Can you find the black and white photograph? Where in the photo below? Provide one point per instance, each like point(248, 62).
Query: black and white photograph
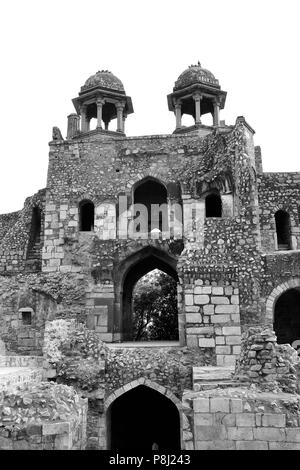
point(149, 229)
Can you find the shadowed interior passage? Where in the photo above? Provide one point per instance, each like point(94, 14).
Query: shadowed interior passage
point(143, 417)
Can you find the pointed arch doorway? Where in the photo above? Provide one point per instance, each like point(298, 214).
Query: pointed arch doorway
point(142, 418)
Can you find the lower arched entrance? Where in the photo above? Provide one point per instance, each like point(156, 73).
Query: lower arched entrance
point(287, 317)
point(144, 419)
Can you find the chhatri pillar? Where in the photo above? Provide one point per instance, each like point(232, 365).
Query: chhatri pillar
point(178, 114)
point(197, 99)
point(100, 102)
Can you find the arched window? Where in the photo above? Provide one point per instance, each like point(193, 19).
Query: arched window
point(149, 300)
point(283, 230)
point(153, 196)
point(213, 205)
point(86, 216)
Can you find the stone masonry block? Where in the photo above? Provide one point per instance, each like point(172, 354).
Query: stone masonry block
point(228, 290)
point(209, 309)
point(193, 318)
point(233, 340)
point(206, 330)
point(219, 404)
point(231, 330)
point(229, 360)
point(293, 434)
point(193, 330)
point(220, 301)
point(251, 445)
point(235, 299)
point(220, 360)
point(192, 341)
point(192, 309)
point(217, 291)
point(227, 420)
point(227, 309)
point(236, 405)
point(206, 343)
point(269, 434)
point(189, 299)
point(201, 299)
point(203, 419)
point(55, 428)
point(284, 446)
point(220, 340)
point(235, 317)
point(220, 318)
point(275, 420)
point(240, 434)
point(201, 405)
point(210, 433)
point(215, 445)
point(223, 349)
point(202, 290)
point(245, 419)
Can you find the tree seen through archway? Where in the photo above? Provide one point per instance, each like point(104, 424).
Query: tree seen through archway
point(155, 314)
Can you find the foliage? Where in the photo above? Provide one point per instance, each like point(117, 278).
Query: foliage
point(155, 308)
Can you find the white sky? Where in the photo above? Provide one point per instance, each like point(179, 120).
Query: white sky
point(49, 48)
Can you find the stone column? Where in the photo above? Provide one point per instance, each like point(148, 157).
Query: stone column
point(178, 114)
point(83, 118)
point(119, 107)
point(124, 118)
point(216, 113)
point(197, 98)
point(100, 102)
point(106, 123)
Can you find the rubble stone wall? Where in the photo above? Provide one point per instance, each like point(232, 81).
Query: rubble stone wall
point(279, 191)
point(47, 297)
point(42, 416)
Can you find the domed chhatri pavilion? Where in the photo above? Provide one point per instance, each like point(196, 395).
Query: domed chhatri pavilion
point(196, 92)
point(194, 204)
point(102, 97)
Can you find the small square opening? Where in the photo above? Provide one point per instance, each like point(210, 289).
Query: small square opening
point(26, 318)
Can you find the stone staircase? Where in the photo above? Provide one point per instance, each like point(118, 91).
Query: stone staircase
point(19, 370)
point(283, 247)
point(208, 377)
point(34, 256)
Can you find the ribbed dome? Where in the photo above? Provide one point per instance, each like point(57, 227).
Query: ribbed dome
point(193, 75)
point(104, 79)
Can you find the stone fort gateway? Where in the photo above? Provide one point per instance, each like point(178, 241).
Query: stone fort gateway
point(194, 205)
